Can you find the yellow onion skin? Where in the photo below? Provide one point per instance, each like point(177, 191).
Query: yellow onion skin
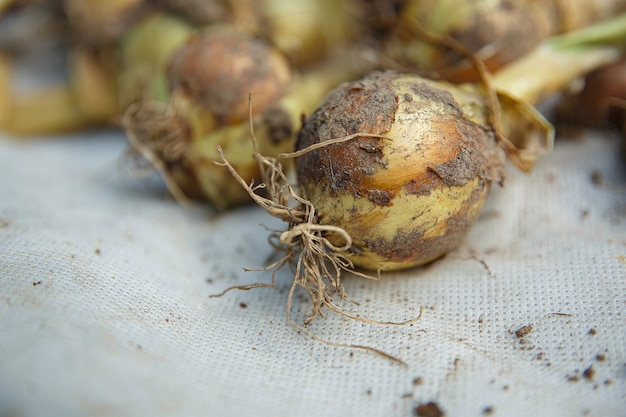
point(410, 197)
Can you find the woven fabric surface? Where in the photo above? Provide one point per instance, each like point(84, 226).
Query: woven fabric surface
point(105, 307)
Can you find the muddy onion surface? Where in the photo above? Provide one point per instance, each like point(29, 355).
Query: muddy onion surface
point(409, 196)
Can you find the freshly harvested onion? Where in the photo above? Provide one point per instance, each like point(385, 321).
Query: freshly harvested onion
point(498, 31)
point(217, 69)
point(210, 79)
point(393, 170)
point(408, 196)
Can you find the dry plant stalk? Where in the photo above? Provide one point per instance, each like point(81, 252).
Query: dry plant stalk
point(317, 262)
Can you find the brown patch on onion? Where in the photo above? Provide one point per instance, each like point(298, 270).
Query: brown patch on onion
point(380, 197)
point(246, 64)
point(369, 108)
point(474, 158)
point(409, 246)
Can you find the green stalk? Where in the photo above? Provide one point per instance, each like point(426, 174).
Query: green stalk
point(562, 59)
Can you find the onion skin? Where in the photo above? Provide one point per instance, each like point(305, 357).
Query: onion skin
point(274, 129)
point(183, 132)
point(498, 31)
point(408, 198)
point(101, 22)
point(218, 69)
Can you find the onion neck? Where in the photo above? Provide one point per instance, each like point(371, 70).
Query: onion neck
point(562, 59)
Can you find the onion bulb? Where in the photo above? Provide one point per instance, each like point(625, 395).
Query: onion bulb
point(210, 80)
point(497, 31)
point(409, 195)
point(411, 180)
point(217, 69)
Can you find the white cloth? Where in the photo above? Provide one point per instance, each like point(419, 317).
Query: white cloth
point(104, 307)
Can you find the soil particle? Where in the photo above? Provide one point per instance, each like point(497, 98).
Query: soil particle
point(380, 197)
point(589, 373)
point(428, 92)
point(523, 331)
point(596, 177)
point(430, 409)
point(424, 186)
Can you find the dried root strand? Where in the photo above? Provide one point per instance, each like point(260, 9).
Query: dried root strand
point(141, 123)
point(318, 263)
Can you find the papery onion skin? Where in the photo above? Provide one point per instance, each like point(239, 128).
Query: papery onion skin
point(411, 197)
